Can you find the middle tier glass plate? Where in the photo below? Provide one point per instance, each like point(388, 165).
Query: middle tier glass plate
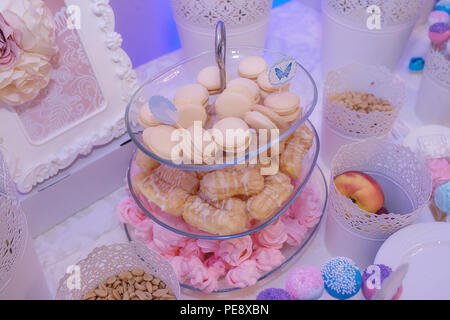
point(177, 224)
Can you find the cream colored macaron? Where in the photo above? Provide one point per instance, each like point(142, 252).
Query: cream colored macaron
point(158, 140)
point(251, 67)
point(283, 103)
point(209, 77)
point(266, 86)
point(191, 93)
point(146, 118)
point(249, 84)
point(257, 120)
point(234, 102)
point(272, 115)
point(231, 134)
point(293, 116)
point(190, 112)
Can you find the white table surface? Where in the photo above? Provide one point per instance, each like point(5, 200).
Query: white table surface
point(295, 30)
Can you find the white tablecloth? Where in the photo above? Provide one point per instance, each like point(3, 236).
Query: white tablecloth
point(295, 30)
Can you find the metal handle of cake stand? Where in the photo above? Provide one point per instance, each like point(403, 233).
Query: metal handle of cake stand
point(221, 50)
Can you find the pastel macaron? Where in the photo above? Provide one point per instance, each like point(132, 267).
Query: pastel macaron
point(209, 77)
point(251, 67)
point(188, 113)
point(257, 120)
point(191, 93)
point(146, 118)
point(232, 134)
point(159, 140)
point(266, 87)
point(284, 103)
point(234, 102)
point(249, 84)
point(272, 115)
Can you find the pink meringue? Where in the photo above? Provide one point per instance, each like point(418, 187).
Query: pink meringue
point(272, 236)
point(440, 170)
point(235, 251)
point(296, 232)
point(144, 230)
point(128, 212)
point(267, 259)
point(208, 246)
point(246, 274)
point(167, 241)
point(306, 208)
point(201, 277)
point(191, 249)
point(181, 267)
point(217, 265)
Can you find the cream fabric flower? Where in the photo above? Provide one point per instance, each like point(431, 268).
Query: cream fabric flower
point(31, 72)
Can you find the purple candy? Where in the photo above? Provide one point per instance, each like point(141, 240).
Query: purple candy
point(273, 294)
point(439, 27)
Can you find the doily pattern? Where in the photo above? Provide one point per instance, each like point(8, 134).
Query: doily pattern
point(372, 79)
point(392, 12)
point(437, 67)
point(13, 226)
point(206, 13)
point(106, 261)
point(399, 163)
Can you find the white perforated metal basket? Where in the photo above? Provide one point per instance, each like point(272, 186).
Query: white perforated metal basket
point(107, 261)
point(341, 125)
point(21, 275)
point(406, 183)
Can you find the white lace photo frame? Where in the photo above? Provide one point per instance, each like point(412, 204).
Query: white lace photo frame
point(84, 104)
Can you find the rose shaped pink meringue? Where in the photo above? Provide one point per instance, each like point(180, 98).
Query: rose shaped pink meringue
point(440, 170)
point(144, 230)
point(181, 266)
point(307, 208)
point(129, 212)
point(295, 231)
point(201, 277)
point(208, 246)
point(246, 274)
point(168, 241)
point(273, 236)
point(191, 249)
point(217, 265)
point(267, 258)
point(235, 251)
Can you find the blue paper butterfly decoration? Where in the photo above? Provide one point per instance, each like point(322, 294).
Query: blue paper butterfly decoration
point(282, 72)
point(163, 110)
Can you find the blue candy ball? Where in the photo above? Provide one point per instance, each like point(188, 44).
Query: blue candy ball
point(416, 64)
point(341, 277)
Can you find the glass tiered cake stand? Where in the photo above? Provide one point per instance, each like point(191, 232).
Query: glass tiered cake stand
point(311, 177)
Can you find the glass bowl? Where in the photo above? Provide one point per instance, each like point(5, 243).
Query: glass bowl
point(177, 224)
point(289, 252)
point(185, 72)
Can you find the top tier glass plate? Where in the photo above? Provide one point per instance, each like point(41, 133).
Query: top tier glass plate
point(185, 72)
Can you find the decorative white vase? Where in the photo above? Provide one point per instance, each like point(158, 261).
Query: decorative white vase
point(21, 275)
point(433, 100)
point(347, 37)
point(246, 23)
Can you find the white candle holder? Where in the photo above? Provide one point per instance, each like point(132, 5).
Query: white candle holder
point(246, 23)
point(406, 183)
point(433, 100)
point(341, 125)
point(21, 275)
point(107, 261)
point(347, 36)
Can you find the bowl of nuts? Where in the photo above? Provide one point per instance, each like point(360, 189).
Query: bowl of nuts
point(125, 271)
point(360, 102)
